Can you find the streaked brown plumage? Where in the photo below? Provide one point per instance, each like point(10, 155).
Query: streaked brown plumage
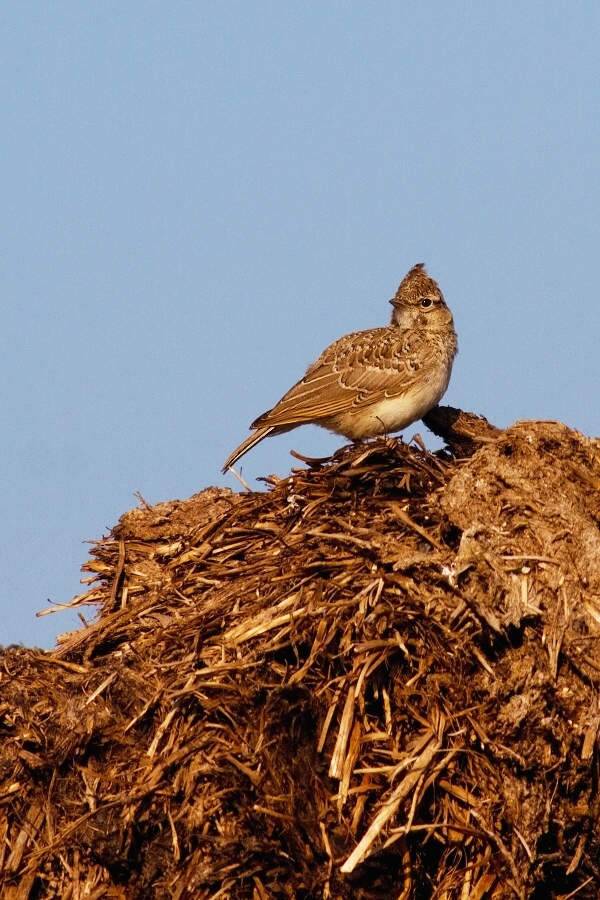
point(373, 382)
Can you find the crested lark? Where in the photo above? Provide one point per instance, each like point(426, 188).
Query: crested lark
point(373, 382)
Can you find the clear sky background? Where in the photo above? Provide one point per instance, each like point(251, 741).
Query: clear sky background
point(198, 197)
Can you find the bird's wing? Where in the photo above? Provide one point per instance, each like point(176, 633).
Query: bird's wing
point(354, 372)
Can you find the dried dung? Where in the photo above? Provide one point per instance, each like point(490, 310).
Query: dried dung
point(376, 679)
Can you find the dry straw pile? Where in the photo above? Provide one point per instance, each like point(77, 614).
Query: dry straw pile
point(377, 679)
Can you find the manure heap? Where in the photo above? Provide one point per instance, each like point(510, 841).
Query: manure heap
point(377, 679)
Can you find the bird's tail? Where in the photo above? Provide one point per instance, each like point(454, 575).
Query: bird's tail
point(246, 445)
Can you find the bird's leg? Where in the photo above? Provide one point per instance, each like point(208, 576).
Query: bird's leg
point(385, 435)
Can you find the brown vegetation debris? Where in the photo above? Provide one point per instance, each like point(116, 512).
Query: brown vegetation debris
point(377, 679)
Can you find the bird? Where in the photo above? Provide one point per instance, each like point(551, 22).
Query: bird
point(375, 382)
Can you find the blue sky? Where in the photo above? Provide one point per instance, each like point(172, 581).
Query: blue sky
point(198, 197)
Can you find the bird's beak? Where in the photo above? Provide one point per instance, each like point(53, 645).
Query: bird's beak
point(397, 304)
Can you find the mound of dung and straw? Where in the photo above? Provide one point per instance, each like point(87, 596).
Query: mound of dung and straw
point(377, 678)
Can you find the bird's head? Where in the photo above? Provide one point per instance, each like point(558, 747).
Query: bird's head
point(419, 303)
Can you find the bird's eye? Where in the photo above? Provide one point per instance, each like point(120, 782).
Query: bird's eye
point(426, 302)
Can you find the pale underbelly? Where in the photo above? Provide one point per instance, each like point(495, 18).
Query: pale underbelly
point(389, 415)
